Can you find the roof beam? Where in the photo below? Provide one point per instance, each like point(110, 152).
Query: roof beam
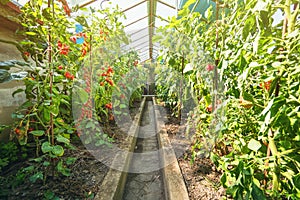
point(151, 21)
point(144, 47)
point(136, 21)
point(145, 60)
point(144, 53)
point(140, 38)
point(166, 4)
point(87, 3)
point(140, 30)
point(135, 5)
point(140, 44)
point(135, 41)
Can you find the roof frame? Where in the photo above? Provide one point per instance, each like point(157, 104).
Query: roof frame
point(152, 18)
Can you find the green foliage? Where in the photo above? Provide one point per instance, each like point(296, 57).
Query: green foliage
point(4, 2)
point(49, 195)
point(3, 127)
point(247, 116)
point(57, 65)
point(8, 154)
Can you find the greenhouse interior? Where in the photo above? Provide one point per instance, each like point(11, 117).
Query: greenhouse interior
point(149, 99)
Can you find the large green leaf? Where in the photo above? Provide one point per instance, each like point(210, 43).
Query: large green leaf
point(31, 33)
point(296, 181)
point(83, 95)
point(46, 114)
point(62, 169)
point(35, 177)
point(17, 91)
point(249, 25)
point(46, 147)
point(254, 145)
point(58, 150)
point(257, 193)
point(62, 139)
point(38, 133)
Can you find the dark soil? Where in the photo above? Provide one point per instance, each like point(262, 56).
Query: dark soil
point(201, 177)
point(87, 173)
point(83, 182)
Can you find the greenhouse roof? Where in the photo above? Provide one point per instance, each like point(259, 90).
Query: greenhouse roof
point(143, 17)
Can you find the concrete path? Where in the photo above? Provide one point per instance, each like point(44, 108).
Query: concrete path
point(149, 185)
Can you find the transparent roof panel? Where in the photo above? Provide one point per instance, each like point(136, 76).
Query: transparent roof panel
point(138, 15)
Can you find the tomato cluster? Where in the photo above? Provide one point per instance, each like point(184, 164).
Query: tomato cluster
point(266, 85)
point(109, 106)
point(209, 67)
point(63, 48)
point(122, 85)
point(87, 108)
point(84, 49)
point(122, 96)
point(103, 34)
point(85, 45)
point(68, 75)
point(107, 76)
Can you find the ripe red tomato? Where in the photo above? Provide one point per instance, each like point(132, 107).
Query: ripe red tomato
point(26, 53)
point(209, 67)
point(68, 75)
point(17, 131)
point(209, 108)
point(73, 39)
point(110, 70)
point(109, 106)
point(266, 85)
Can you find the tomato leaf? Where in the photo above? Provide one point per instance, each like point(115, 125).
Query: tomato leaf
point(46, 147)
point(257, 193)
point(254, 145)
point(37, 133)
point(58, 150)
point(62, 139)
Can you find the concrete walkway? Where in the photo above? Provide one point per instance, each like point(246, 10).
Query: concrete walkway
point(149, 185)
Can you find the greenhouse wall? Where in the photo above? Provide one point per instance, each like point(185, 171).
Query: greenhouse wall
point(8, 51)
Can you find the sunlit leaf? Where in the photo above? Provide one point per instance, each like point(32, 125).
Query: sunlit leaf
point(58, 150)
point(254, 145)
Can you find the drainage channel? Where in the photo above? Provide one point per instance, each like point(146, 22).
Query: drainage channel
point(146, 169)
point(145, 181)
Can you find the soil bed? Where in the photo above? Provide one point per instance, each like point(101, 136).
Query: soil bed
point(201, 177)
point(87, 173)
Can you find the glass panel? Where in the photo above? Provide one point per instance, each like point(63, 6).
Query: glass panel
point(133, 10)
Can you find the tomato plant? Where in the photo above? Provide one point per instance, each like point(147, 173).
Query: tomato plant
point(64, 53)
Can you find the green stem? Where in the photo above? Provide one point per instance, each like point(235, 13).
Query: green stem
point(215, 80)
point(292, 18)
point(51, 124)
point(274, 151)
